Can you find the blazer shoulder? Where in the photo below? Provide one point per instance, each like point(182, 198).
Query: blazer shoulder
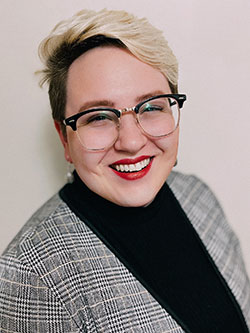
point(45, 212)
point(181, 183)
point(192, 192)
point(201, 205)
point(207, 217)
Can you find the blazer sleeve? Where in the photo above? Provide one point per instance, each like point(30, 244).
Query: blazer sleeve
point(26, 304)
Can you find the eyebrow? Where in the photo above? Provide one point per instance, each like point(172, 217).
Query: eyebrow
point(96, 103)
point(111, 104)
point(149, 95)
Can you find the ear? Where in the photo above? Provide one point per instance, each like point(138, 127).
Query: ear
point(64, 141)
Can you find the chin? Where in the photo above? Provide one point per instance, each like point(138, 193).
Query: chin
point(135, 200)
point(134, 204)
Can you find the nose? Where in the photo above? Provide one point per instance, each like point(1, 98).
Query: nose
point(131, 139)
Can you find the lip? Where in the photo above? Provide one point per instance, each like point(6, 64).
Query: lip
point(135, 174)
point(132, 160)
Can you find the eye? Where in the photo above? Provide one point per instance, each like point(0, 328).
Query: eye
point(96, 118)
point(150, 107)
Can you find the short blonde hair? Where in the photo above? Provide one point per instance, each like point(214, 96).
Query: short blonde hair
point(70, 38)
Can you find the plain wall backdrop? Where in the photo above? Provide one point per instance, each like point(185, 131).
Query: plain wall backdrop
point(211, 41)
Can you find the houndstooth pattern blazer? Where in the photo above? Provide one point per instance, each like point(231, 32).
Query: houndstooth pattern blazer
point(57, 276)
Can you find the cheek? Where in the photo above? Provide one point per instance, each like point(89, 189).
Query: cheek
point(84, 161)
point(169, 145)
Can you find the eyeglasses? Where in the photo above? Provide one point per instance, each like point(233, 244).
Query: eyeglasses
point(98, 128)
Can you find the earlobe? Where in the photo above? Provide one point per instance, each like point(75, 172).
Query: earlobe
point(64, 141)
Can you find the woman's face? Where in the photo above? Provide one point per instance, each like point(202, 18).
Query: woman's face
point(121, 80)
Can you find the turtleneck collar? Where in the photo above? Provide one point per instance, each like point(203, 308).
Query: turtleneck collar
point(83, 197)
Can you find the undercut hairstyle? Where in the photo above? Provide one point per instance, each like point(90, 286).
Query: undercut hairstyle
point(89, 29)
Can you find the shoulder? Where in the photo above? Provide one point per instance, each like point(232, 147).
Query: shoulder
point(205, 214)
point(20, 282)
point(187, 186)
point(207, 217)
point(197, 199)
point(13, 256)
point(49, 238)
point(45, 213)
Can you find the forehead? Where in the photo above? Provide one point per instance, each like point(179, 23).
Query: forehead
point(113, 73)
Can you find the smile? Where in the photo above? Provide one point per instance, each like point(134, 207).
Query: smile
point(132, 167)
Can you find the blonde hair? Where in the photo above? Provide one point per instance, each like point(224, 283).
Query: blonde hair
point(87, 29)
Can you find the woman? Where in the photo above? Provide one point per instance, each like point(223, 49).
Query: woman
point(119, 249)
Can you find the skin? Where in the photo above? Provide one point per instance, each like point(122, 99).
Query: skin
point(116, 76)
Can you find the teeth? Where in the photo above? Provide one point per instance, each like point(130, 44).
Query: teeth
point(138, 166)
point(132, 167)
point(126, 167)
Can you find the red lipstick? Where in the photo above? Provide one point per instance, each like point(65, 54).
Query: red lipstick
point(132, 175)
point(131, 160)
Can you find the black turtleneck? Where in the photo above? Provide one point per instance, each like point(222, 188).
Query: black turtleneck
point(159, 245)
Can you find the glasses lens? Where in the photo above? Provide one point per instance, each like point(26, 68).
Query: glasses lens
point(159, 116)
point(97, 129)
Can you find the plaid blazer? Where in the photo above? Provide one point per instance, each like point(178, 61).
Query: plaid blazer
point(57, 276)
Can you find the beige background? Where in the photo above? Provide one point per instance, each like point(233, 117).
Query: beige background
point(211, 41)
